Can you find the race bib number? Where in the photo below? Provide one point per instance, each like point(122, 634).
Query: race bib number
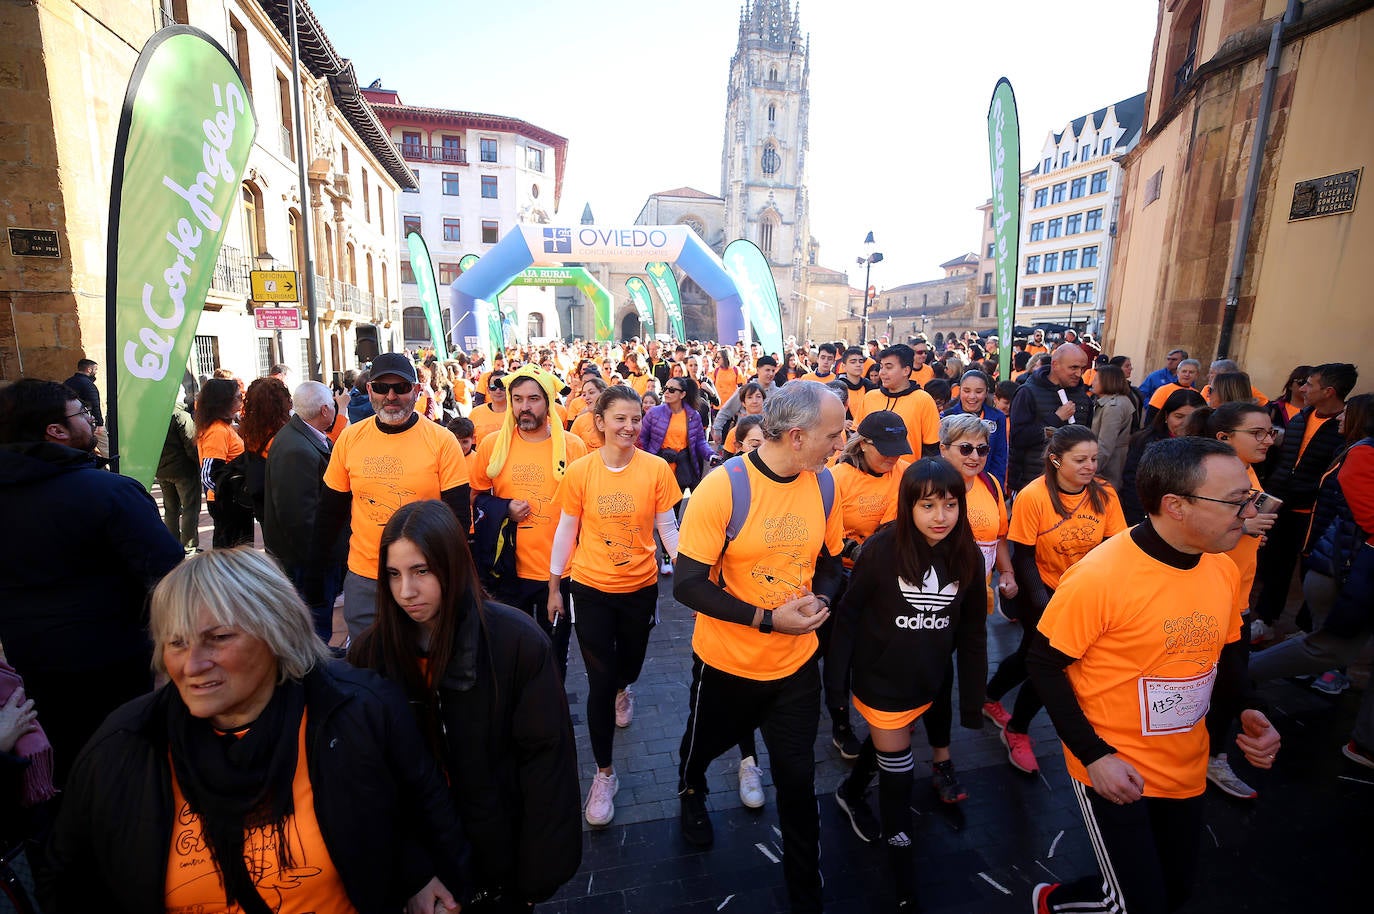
point(1174, 705)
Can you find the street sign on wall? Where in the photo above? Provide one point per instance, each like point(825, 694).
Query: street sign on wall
point(274, 285)
point(277, 318)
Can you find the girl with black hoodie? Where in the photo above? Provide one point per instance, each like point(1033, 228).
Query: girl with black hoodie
point(897, 632)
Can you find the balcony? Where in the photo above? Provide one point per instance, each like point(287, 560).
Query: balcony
point(231, 271)
point(442, 155)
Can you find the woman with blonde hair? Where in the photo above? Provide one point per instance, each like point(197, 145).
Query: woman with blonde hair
point(236, 786)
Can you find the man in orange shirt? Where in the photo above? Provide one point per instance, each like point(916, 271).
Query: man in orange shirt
point(825, 364)
point(1138, 636)
point(379, 464)
point(921, 372)
point(905, 398)
point(759, 598)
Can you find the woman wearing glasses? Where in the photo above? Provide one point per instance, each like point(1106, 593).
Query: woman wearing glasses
point(974, 392)
point(1248, 428)
point(1056, 520)
point(674, 431)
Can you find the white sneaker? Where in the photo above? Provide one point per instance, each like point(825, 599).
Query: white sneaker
point(1261, 632)
point(750, 784)
point(1219, 772)
point(600, 805)
point(666, 567)
point(624, 707)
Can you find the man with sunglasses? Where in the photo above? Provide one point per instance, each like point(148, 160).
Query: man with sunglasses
point(1141, 637)
point(396, 457)
point(85, 548)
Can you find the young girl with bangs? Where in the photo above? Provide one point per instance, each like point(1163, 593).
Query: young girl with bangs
point(896, 633)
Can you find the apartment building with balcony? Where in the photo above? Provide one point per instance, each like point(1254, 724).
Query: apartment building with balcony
point(78, 59)
point(476, 177)
point(1069, 203)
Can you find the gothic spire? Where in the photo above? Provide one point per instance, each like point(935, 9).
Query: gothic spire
point(771, 21)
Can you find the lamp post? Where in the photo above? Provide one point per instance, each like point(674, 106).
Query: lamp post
point(1072, 296)
point(871, 256)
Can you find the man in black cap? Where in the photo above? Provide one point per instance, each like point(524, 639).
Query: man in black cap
point(377, 465)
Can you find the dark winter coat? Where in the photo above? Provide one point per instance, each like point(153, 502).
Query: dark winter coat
point(1296, 479)
point(379, 801)
point(1032, 413)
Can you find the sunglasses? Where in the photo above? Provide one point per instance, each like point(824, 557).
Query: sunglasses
point(674, 390)
point(965, 449)
point(382, 388)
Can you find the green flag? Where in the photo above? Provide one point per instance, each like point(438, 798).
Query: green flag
point(665, 284)
point(749, 269)
point(644, 306)
point(185, 131)
point(1004, 154)
point(423, 270)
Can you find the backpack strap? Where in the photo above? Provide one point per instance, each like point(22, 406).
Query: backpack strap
point(738, 474)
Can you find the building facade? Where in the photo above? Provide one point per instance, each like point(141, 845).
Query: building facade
point(79, 60)
point(1069, 202)
point(944, 305)
point(477, 176)
point(1302, 293)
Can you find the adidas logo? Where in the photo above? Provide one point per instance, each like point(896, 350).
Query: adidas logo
point(930, 621)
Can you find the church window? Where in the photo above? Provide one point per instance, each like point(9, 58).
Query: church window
point(772, 74)
point(766, 238)
point(772, 113)
point(771, 159)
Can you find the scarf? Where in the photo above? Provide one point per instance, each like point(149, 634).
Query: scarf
point(236, 783)
point(501, 451)
point(37, 785)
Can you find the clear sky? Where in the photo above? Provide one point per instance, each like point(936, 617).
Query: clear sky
point(899, 96)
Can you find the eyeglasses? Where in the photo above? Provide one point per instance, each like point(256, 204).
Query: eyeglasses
point(673, 390)
point(1240, 506)
point(965, 448)
point(1261, 433)
point(83, 411)
point(400, 388)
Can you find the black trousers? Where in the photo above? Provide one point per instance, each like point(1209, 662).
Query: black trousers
point(939, 717)
point(233, 525)
point(533, 597)
point(1278, 558)
point(613, 635)
point(1012, 671)
point(787, 712)
point(1147, 851)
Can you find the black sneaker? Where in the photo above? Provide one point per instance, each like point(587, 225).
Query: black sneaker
point(842, 735)
point(946, 782)
point(695, 821)
point(860, 816)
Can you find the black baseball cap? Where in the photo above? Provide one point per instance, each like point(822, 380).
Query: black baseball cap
point(887, 431)
point(393, 363)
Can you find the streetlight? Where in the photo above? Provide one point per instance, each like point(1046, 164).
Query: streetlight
point(871, 256)
point(1072, 296)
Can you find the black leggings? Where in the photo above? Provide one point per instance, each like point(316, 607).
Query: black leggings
point(1012, 672)
point(613, 634)
point(233, 525)
point(939, 717)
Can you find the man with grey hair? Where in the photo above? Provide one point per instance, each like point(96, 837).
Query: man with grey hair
point(765, 524)
point(1158, 378)
point(295, 473)
point(1188, 371)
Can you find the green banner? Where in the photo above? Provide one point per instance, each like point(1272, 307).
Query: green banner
point(597, 294)
point(1004, 155)
point(644, 306)
point(665, 284)
point(749, 269)
point(185, 132)
point(423, 270)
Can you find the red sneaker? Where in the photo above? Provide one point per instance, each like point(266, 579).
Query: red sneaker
point(1040, 897)
point(1019, 751)
point(994, 712)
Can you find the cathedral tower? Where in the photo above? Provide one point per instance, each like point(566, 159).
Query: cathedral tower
point(763, 160)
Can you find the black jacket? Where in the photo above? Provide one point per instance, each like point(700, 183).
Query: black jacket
point(379, 801)
point(897, 639)
point(180, 459)
point(295, 472)
point(1296, 479)
point(83, 550)
point(1129, 495)
point(510, 755)
point(88, 394)
point(1032, 412)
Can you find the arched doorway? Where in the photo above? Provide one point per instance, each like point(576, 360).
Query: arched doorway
point(534, 326)
point(630, 326)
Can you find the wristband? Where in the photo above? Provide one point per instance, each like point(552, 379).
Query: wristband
point(766, 623)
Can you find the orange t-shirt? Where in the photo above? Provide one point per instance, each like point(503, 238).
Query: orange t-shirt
point(485, 421)
point(639, 382)
point(727, 381)
point(676, 435)
point(575, 406)
point(987, 516)
point(1314, 422)
point(383, 471)
point(917, 409)
point(812, 376)
point(1147, 637)
point(1159, 396)
point(584, 427)
point(771, 561)
point(1035, 348)
point(616, 510)
point(312, 886)
point(1246, 555)
point(528, 475)
point(337, 429)
point(1061, 541)
point(218, 442)
point(866, 501)
point(923, 375)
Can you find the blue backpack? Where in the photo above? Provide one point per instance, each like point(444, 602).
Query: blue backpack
point(738, 474)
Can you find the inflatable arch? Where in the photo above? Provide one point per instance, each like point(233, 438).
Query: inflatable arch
point(471, 293)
